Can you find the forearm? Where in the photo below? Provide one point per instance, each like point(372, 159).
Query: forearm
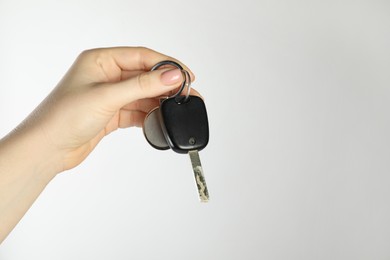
point(26, 167)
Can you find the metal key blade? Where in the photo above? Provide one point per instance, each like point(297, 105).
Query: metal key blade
point(199, 177)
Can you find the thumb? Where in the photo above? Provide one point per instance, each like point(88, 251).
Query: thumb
point(145, 85)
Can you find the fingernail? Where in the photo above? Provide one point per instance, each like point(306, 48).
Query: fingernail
point(170, 77)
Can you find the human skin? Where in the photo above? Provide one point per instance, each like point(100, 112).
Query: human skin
point(105, 89)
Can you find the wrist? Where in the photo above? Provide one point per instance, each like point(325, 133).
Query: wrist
point(27, 149)
point(26, 167)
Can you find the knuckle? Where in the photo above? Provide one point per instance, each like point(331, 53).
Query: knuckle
point(140, 53)
point(92, 53)
point(88, 53)
point(143, 49)
point(144, 82)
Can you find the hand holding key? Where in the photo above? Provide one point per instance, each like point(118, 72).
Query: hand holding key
point(105, 89)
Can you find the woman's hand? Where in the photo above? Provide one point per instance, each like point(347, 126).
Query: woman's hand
point(104, 90)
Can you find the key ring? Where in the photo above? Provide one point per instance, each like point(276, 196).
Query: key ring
point(187, 84)
point(186, 79)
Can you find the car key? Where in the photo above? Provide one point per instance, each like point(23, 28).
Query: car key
point(180, 123)
point(184, 124)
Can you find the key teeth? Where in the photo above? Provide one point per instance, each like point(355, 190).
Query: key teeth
point(200, 182)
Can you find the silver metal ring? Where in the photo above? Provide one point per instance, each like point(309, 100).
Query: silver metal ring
point(167, 62)
point(188, 84)
point(186, 77)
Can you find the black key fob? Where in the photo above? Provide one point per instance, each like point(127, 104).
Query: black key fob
point(184, 124)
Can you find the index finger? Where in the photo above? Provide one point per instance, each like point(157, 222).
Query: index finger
point(136, 58)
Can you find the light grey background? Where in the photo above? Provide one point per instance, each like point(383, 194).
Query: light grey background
point(298, 164)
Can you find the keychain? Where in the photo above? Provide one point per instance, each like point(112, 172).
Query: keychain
point(180, 123)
